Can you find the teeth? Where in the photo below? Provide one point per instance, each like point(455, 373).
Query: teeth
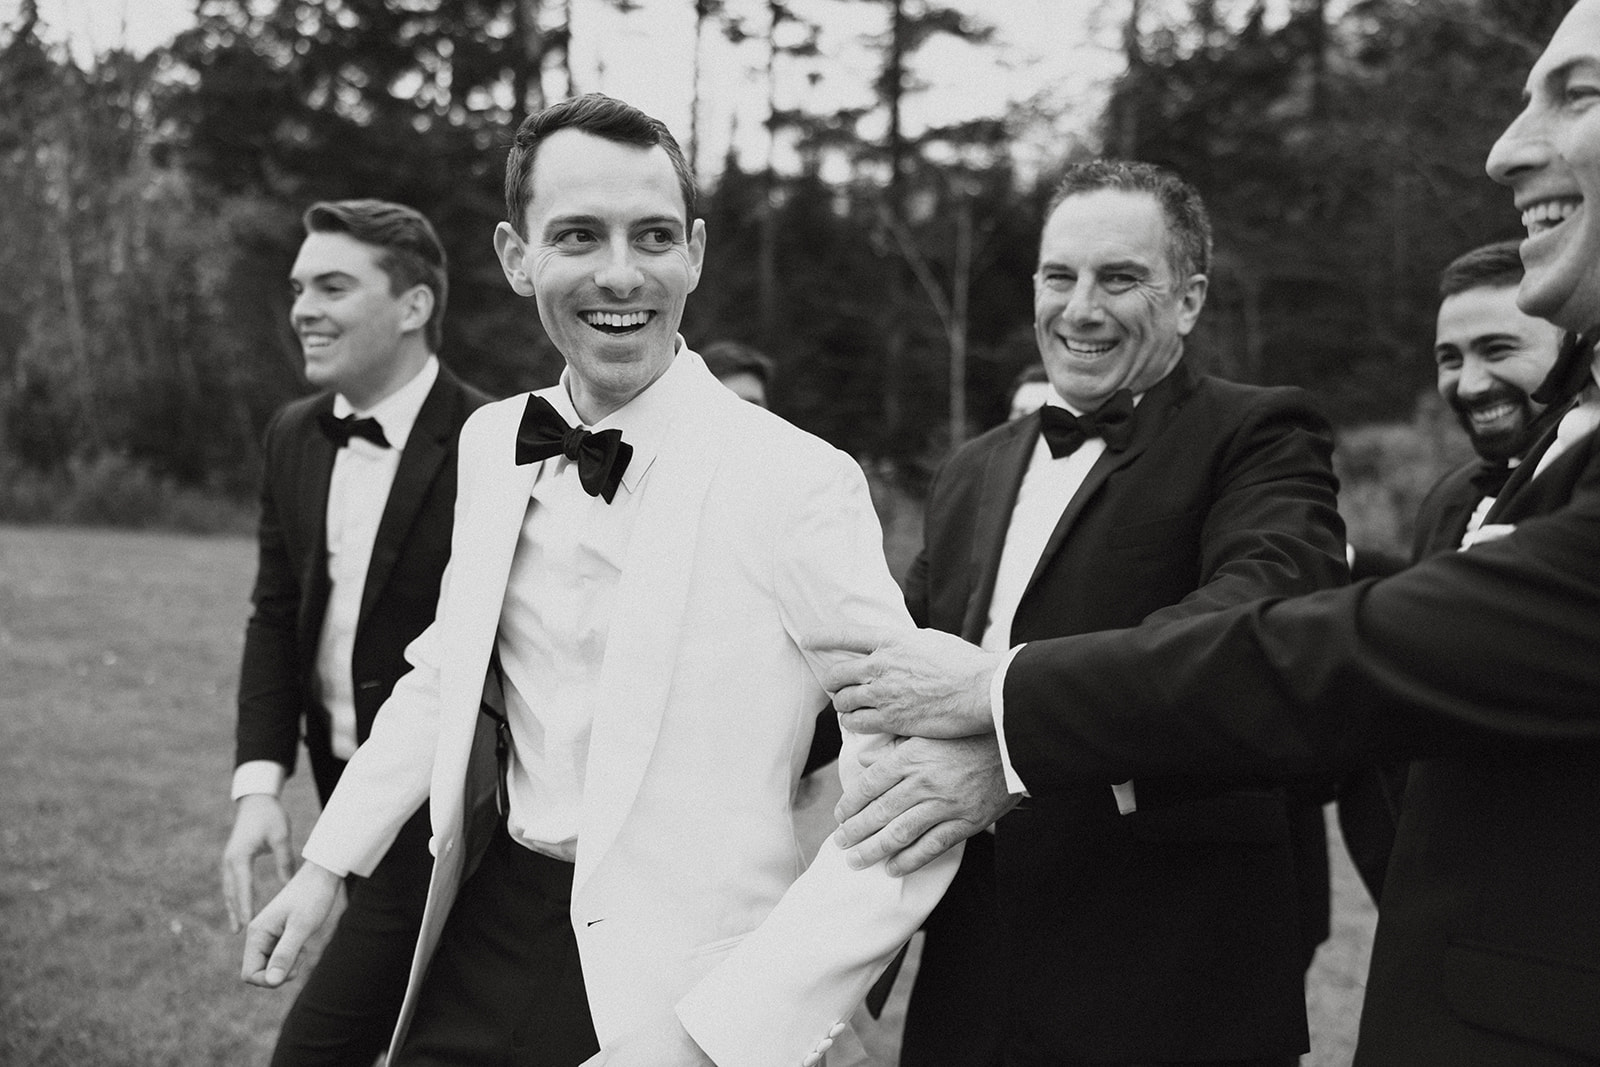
point(1493, 413)
point(1090, 348)
point(316, 341)
point(1548, 214)
point(616, 320)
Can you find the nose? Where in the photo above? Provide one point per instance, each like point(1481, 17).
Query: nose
point(303, 309)
point(1083, 305)
point(1475, 379)
point(1520, 149)
point(619, 273)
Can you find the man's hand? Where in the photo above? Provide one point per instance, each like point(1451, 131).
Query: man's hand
point(922, 683)
point(273, 942)
point(915, 802)
point(661, 1042)
point(259, 825)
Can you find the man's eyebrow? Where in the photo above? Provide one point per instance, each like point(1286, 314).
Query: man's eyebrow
point(325, 276)
point(596, 222)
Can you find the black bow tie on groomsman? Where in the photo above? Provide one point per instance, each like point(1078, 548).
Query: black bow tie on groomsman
point(339, 431)
point(601, 457)
point(1065, 432)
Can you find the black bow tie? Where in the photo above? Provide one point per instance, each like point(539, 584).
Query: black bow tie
point(601, 457)
point(339, 431)
point(1065, 432)
point(1491, 477)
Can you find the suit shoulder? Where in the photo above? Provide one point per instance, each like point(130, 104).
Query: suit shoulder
point(294, 418)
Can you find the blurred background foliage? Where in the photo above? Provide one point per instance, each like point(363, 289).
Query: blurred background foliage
point(151, 210)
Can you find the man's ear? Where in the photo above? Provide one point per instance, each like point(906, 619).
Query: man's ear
point(1190, 301)
point(418, 308)
point(697, 251)
point(512, 252)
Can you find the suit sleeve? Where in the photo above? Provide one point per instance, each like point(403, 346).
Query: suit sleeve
point(786, 989)
point(1272, 527)
point(271, 675)
point(1494, 649)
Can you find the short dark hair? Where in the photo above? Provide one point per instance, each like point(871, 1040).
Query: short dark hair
point(592, 113)
point(410, 252)
point(1493, 266)
point(725, 358)
point(1188, 224)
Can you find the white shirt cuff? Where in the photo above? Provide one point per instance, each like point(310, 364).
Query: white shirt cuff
point(258, 776)
point(997, 707)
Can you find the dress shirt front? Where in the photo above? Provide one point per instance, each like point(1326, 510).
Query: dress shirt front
point(559, 601)
point(358, 491)
point(1048, 486)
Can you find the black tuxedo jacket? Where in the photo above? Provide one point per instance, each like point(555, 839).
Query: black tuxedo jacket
point(1443, 514)
point(1484, 667)
point(1171, 933)
point(277, 685)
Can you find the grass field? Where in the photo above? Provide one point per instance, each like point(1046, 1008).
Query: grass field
point(118, 654)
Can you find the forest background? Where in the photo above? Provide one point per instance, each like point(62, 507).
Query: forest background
point(151, 202)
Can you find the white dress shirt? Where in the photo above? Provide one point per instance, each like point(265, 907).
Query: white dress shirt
point(558, 607)
point(358, 491)
point(1047, 489)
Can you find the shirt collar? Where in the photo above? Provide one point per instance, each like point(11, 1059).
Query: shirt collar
point(397, 412)
point(647, 418)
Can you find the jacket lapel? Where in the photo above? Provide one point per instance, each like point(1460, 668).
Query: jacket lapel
point(426, 449)
point(1160, 402)
point(643, 640)
point(315, 474)
point(1002, 479)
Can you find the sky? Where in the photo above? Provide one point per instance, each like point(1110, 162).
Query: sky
point(1064, 49)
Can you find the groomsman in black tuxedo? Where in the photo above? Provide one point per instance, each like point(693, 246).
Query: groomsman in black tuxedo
point(1481, 666)
point(1159, 920)
point(1491, 357)
point(356, 509)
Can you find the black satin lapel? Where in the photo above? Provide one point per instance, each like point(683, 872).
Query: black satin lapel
point(314, 475)
point(1520, 477)
point(1151, 417)
point(1002, 478)
point(419, 464)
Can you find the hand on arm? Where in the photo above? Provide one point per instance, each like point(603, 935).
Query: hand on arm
point(259, 825)
point(921, 683)
point(275, 937)
point(921, 798)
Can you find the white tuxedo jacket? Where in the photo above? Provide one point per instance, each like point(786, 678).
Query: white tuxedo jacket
point(690, 890)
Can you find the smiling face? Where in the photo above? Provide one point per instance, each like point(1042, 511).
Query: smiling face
point(1490, 355)
point(610, 258)
point(1550, 157)
point(358, 337)
point(1110, 310)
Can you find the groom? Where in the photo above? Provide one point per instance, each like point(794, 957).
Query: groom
point(613, 707)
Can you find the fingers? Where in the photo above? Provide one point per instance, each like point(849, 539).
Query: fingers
point(261, 941)
point(898, 834)
point(272, 947)
point(929, 847)
point(237, 889)
point(877, 777)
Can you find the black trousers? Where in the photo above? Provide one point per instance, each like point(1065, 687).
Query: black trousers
point(505, 987)
point(346, 1010)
